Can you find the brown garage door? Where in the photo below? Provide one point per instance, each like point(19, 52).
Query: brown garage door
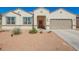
point(60, 24)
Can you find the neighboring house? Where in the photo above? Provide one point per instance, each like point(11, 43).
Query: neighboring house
point(0, 21)
point(0, 18)
point(39, 18)
point(77, 21)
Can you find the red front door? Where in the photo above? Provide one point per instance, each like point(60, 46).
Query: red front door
point(41, 21)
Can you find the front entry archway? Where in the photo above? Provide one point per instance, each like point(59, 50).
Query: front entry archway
point(41, 21)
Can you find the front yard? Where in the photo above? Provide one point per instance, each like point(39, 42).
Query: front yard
point(33, 42)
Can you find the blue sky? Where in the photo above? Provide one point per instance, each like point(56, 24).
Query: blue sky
point(74, 10)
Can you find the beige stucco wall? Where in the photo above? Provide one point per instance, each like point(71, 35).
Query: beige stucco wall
point(19, 19)
point(17, 26)
point(62, 14)
point(40, 12)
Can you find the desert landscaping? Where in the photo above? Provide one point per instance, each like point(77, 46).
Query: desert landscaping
point(41, 41)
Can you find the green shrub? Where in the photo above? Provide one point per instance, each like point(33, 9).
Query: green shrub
point(16, 31)
point(33, 30)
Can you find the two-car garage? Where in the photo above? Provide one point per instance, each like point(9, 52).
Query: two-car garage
point(60, 23)
point(62, 19)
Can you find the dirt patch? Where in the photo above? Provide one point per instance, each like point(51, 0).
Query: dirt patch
point(33, 42)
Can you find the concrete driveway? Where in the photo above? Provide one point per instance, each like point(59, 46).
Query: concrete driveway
point(70, 36)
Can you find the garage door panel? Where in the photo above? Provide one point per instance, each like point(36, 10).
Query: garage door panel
point(60, 24)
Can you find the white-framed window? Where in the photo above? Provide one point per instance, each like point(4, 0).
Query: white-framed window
point(10, 20)
point(27, 20)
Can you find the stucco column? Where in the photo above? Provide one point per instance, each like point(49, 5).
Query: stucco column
point(74, 23)
point(47, 24)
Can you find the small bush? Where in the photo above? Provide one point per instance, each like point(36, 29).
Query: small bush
point(11, 35)
point(33, 30)
point(41, 32)
point(49, 31)
point(0, 48)
point(16, 31)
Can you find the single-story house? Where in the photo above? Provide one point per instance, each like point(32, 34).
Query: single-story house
point(39, 18)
